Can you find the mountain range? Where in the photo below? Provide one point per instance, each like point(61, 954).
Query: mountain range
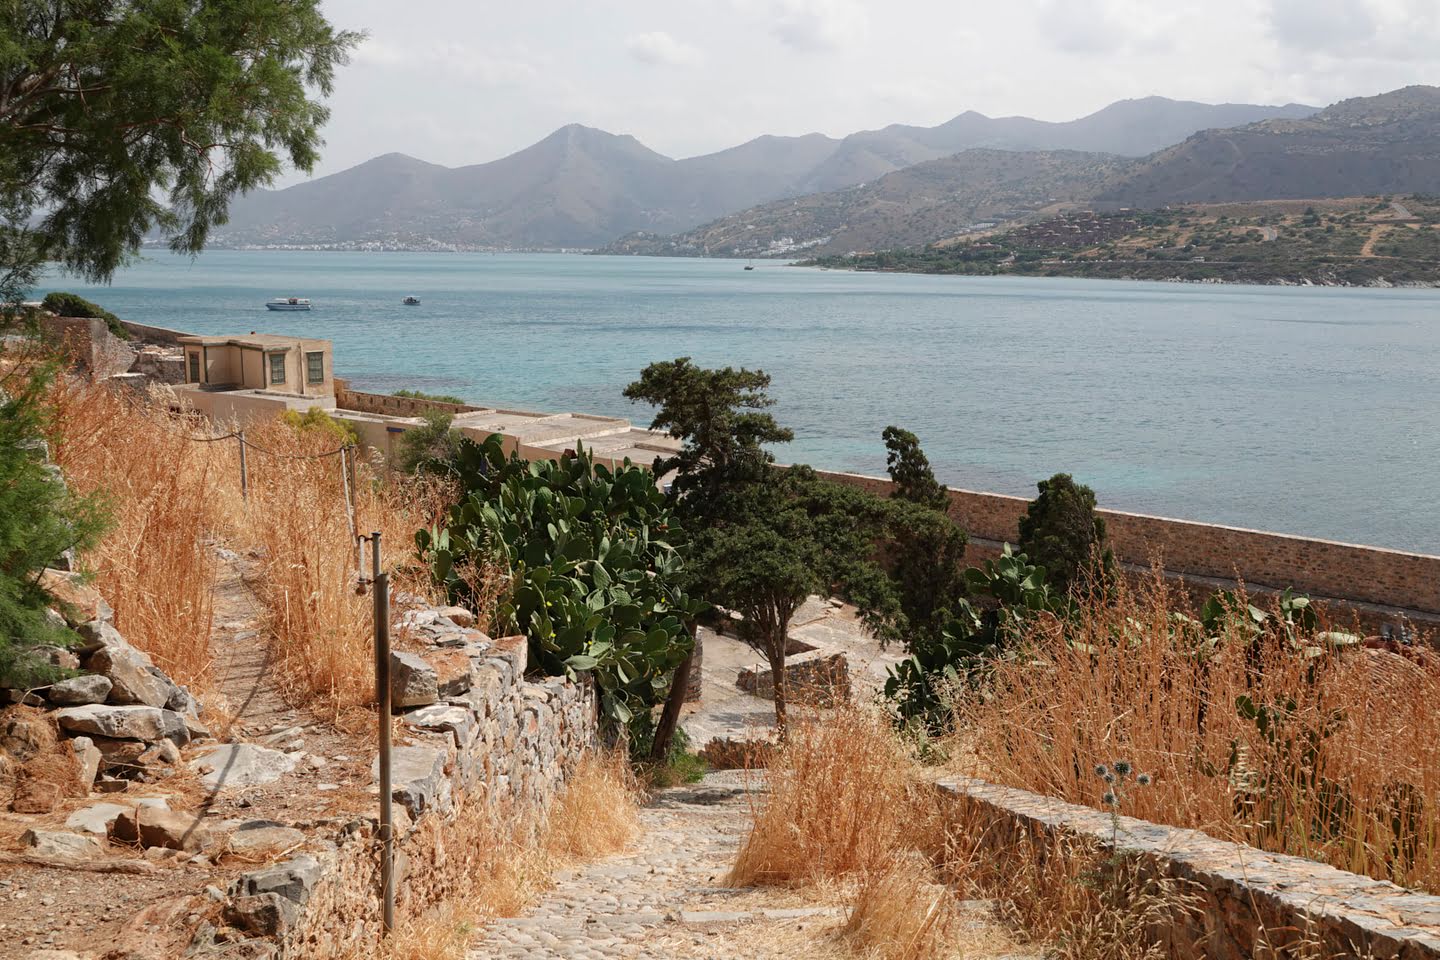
point(1360, 147)
point(581, 187)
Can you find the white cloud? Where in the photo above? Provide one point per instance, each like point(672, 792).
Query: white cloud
point(1356, 29)
point(816, 25)
point(658, 48)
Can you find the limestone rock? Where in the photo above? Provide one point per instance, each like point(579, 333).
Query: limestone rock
point(61, 846)
point(35, 796)
point(458, 616)
point(183, 702)
point(229, 766)
point(79, 602)
point(294, 880)
point(22, 735)
point(102, 635)
point(131, 676)
point(440, 716)
point(87, 760)
point(265, 914)
point(133, 722)
point(264, 836)
point(417, 777)
point(158, 827)
point(77, 691)
point(98, 818)
point(56, 657)
point(413, 682)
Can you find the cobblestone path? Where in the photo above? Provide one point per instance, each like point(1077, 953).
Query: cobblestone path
point(664, 898)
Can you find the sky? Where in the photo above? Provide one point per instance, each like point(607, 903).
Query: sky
point(456, 83)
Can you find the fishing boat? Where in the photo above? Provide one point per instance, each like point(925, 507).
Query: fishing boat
point(288, 303)
point(411, 301)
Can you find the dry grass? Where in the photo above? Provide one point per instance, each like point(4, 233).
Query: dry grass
point(901, 913)
point(493, 865)
point(842, 796)
point(168, 497)
point(1346, 772)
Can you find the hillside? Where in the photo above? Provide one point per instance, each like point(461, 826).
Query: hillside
point(1362, 241)
point(1368, 145)
point(970, 191)
point(582, 187)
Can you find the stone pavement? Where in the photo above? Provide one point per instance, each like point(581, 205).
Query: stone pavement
point(665, 898)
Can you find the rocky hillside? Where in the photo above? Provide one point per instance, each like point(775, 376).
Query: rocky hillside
point(970, 192)
point(581, 187)
point(1368, 145)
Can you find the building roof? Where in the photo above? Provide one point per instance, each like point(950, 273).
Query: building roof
point(261, 341)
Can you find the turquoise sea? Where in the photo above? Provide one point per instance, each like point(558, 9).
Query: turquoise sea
point(1302, 410)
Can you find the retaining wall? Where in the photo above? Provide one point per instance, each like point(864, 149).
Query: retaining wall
point(91, 344)
point(1249, 903)
point(392, 406)
point(492, 740)
point(1324, 568)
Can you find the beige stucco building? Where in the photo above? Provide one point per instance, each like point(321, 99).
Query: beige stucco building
point(260, 361)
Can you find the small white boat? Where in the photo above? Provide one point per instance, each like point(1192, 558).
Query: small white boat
point(288, 303)
point(411, 301)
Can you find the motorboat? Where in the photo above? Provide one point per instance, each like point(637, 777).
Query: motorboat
point(288, 303)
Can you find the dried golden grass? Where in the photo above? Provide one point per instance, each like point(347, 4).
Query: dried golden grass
point(168, 499)
point(493, 865)
point(901, 913)
point(842, 795)
point(1359, 753)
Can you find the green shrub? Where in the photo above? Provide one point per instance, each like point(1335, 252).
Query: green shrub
point(39, 520)
point(71, 305)
point(432, 447)
point(1062, 533)
point(434, 397)
point(316, 420)
point(595, 557)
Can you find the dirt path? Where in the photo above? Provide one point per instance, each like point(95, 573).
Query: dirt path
point(665, 898)
point(1376, 232)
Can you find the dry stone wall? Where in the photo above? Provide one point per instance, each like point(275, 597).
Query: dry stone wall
point(347, 399)
point(477, 734)
point(1249, 903)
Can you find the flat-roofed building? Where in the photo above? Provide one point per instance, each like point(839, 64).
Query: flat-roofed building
point(268, 362)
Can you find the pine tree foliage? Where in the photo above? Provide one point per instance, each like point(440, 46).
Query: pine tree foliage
point(1062, 533)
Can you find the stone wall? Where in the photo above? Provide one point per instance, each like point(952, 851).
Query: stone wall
point(151, 334)
point(1250, 903)
point(348, 399)
point(477, 734)
point(1324, 568)
point(91, 344)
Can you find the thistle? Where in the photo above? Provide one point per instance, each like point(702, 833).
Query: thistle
point(1114, 776)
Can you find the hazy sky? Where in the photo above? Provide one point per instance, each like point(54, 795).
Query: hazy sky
point(455, 82)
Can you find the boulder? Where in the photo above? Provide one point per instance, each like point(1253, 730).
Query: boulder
point(264, 836)
point(413, 682)
point(79, 602)
point(183, 702)
point(458, 616)
point(87, 761)
point(124, 723)
point(98, 818)
point(230, 766)
point(119, 756)
point(56, 656)
point(133, 681)
point(159, 827)
point(417, 778)
point(102, 635)
point(23, 735)
point(77, 691)
point(294, 880)
point(35, 796)
point(265, 914)
point(60, 846)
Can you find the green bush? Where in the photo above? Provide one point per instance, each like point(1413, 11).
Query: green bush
point(1062, 533)
point(432, 447)
point(594, 557)
point(316, 420)
point(39, 520)
point(70, 305)
point(433, 397)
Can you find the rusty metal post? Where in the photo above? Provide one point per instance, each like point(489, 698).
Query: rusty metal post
point(382, 697)
point(244, 478)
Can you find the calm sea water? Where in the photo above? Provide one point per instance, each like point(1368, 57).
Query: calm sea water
point(1307, 411)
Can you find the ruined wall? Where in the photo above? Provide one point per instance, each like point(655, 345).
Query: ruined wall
point(490, 743)
point(1323, 568)
point(348, 399)
point(91, 344)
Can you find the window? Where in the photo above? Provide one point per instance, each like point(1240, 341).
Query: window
point(314, 368)
point(194, 367)
point(277, 368)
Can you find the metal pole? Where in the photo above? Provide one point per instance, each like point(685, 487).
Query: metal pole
point(382, 695)
point(244, 480)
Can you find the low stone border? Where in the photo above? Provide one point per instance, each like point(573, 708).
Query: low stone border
point(1253, 903)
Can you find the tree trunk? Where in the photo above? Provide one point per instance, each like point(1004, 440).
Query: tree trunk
point(670, 716)
point(775, 650)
